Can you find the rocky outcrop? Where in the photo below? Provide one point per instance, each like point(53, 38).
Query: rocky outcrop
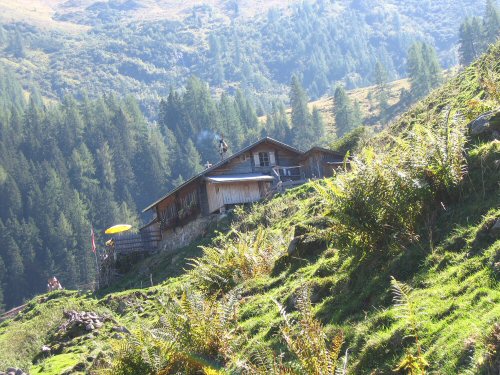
point(80, 323)
point(13, 371)
point(488, 125)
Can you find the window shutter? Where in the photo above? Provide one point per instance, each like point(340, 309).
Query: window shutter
point(256, 159)
point(272, 159)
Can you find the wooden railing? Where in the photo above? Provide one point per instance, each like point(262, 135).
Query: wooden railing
point(146, 240)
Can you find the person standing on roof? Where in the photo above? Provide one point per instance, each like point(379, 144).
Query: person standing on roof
point(223, 147)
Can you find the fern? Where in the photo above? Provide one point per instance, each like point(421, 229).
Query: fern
point(307, 340)
point(238, 256)
point(408, 311)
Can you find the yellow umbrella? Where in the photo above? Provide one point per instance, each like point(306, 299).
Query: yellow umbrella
point(118, 228)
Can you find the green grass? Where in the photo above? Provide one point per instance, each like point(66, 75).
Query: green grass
point(58, 364)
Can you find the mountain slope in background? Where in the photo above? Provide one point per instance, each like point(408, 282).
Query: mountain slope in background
point(145, 47)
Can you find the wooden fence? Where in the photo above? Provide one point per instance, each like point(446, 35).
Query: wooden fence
point(145, 241)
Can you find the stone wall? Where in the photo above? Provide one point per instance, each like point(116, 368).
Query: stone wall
point(179, 237)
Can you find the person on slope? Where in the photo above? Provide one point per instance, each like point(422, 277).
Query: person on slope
point(53, 284)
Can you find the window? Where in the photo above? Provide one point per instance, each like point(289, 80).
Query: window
point(264, 159)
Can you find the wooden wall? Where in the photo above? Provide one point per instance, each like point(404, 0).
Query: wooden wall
point(179, 206)
point(314, 165)
point(231, 193)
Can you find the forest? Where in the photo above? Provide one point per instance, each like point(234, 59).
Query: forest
point(324, 43)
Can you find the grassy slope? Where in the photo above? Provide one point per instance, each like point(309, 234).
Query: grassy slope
point(454, 273)
point(366, 96)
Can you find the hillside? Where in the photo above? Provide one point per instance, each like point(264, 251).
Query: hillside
point(366, 97)
point(419, 204)
point(144, 47)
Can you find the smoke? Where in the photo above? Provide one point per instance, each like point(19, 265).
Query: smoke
point(206, 136)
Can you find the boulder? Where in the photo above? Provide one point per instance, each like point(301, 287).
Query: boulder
point(495, 229)
point(487, 124)
point(120, 329)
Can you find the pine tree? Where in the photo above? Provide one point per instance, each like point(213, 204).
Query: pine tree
point(471, 39)
point(491, 22)
point(432, 66)
point(344, 115)
point(318, 124)
point(190, 160)
point(16, 45)
point(416, 71)
point(424, 69)
point(382, 93)
point(302, 129)
point(357, 114)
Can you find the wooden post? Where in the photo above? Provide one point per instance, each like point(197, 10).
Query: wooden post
point(97, 269)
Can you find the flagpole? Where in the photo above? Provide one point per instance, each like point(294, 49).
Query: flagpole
point(94, 250)
point(97, 269)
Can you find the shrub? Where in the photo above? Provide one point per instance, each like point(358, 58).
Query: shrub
point(381, 200)
point(238, 256)
point(194, 335)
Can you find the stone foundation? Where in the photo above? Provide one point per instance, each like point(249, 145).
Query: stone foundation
point(179, 237)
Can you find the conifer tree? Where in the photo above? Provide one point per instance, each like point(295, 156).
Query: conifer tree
point(317, 123)
point(190, 160)
point(382, 93)
point(357, 114)
point(491, 22)
point(302, 129)
point(16, 45)
point(344, 115)
point(424, 69)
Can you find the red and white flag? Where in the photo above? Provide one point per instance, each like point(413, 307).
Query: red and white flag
point(93, 239)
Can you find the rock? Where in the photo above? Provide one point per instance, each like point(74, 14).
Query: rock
point(89, 327)
point(495, 229)
point(117, 336)
point(486, 124)
point(11, 369)
point(97, 324)
point(20, 372)
point(46, 349)
point(306, 246)
point(120, 329)
point(292, 246)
